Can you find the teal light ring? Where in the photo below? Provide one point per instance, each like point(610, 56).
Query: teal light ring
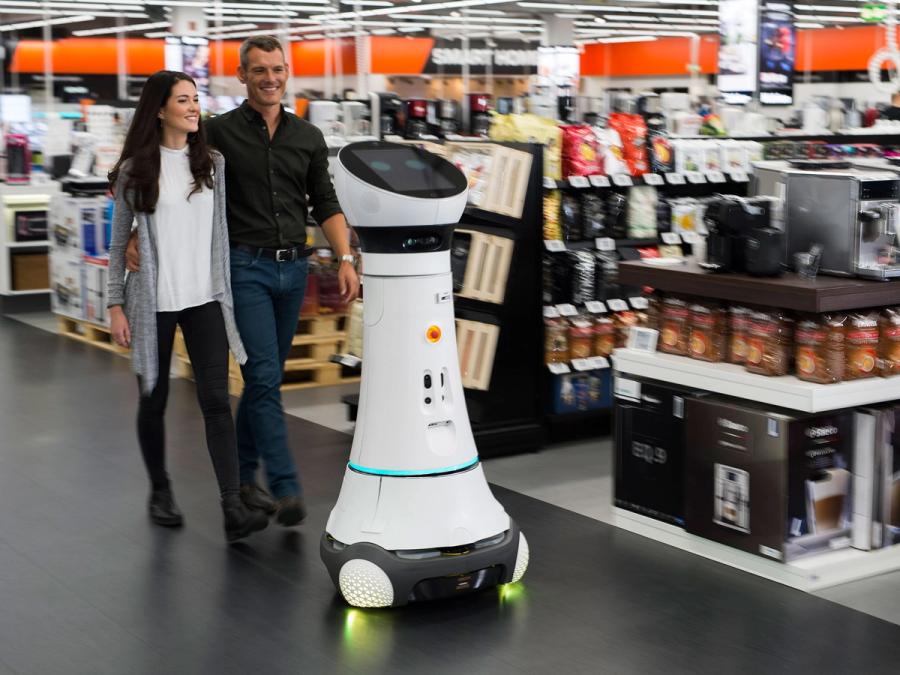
point(409, 474)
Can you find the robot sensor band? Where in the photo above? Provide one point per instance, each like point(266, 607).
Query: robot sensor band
point(412, 474)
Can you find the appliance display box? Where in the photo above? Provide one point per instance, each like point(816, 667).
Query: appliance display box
point(67, 283)
point(77, 223)
point(96, 270)
point(768, 481)
point(649, 460)
point(581, 391)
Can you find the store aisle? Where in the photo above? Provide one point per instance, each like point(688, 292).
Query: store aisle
point(87, 585)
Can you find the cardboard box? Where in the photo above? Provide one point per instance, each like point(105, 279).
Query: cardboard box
point(30, 271)
point(770, 482)
point(67, 283)
point(581, 391)
point(887, 439)
point(76, 224)
point(649, 461)
point(867, 528)
point(96, 271)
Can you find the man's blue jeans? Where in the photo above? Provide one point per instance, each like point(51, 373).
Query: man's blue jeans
point(267, 300)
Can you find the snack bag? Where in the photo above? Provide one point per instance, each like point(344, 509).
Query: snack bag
point(673, 325)
point(610, 146)
point(819, 351)
point(580, 151)
point(662, 153)
point(552, 207)
point(633, 132)
point(862, 346)
point(708, 333)
point(769, 339)
point(889, 342)
point(642, 212)
point(739, 324)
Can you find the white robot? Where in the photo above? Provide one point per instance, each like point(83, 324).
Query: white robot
point(415, 519)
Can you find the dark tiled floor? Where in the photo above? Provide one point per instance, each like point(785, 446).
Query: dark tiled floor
point(87, 585)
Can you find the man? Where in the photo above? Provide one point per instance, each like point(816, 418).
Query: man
point(273, 161)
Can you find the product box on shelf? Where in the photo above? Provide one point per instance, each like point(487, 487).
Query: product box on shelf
point(767, 481)
point(887, 446)
point(67, 283)
point(76, 223)
point(649, 460)
point(95, 274)
point(581, 391)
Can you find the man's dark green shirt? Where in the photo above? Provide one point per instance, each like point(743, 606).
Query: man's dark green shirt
point(270, 184)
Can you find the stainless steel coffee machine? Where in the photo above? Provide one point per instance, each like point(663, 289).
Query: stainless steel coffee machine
point(851, 212)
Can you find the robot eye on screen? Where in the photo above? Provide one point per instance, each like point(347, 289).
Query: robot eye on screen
point(415, 519)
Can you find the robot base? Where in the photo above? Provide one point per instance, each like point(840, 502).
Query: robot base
point(369, 576)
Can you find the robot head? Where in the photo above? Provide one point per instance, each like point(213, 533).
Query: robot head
point(381, 184)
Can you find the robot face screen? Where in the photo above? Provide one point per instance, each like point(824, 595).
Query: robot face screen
point(403, 170)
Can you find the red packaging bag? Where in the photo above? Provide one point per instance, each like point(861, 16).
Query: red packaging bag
point(633, 131)
point(580, 151)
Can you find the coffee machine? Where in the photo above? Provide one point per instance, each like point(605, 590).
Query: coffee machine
point(851, 212)
point(479, 114)
point(416, 118)
point(449, 117)
point(386, 114)
point(741, 236)
point(357, 121)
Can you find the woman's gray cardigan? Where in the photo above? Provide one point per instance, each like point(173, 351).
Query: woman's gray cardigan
point(137, 291)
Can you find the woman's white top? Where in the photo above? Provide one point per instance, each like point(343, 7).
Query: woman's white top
point(182, 229)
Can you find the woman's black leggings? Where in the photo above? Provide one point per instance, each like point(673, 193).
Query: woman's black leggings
point(207, 345)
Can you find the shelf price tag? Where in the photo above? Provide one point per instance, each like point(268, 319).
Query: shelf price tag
point(599, 181)
point(554, 245)
point(653, 179)
point(567, 310)
point(550, 312)
point(696, 178)
point(617, 305)
point(549, 183)
point(642, 339)
point(670, 238)
point(690, 237)
point(595, 307)
point(605, 244)
point(715, 177)
point(739, 176)
point(580, 182)
point(639, 302)
point(582, 364)
point(622, 180)
point(675, 178)
point(559, 368)
point(599, 362)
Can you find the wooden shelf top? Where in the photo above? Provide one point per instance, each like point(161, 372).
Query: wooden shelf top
point(823, 294)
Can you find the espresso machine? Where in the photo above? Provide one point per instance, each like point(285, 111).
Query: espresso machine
point(741, 236)
point(416, 118)
point(386, 112)
point(479, 114)
point(449, 117)
point(357, 121)
point(851, 212)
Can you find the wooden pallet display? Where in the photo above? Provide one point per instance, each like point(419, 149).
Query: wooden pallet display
point(89, 333)
point(307, 366)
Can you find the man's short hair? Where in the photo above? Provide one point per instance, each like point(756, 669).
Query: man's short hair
point(268, 43)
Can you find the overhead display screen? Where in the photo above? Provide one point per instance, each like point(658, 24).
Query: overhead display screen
point(738, 48)
point(777, 53)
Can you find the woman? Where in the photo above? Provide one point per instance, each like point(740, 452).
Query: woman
point(172, 185)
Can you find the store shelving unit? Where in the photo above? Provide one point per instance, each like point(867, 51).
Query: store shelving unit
point(733, 380)
point(789, 292)
point(807, 574)
point(25, 198)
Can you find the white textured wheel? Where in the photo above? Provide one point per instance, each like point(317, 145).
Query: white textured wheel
point(364, 584)
point(521, 559)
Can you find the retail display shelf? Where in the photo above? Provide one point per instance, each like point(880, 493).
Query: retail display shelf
point(32, 291)
point(733, 380)
point(822, 294)
point(28, 244)
point(807, 574)
point(591, 244)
